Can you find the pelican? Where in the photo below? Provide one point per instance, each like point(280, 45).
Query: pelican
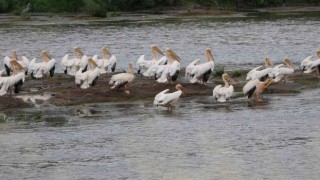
point(309, 66)
point(24, 62)
point(16, 79)
point(157, 68)
point(223, 93)
point(79, 61)
point(106, 62)
point(144, 64)
point(190, 67)
point(123, 79)
point(259, 72)
point(89, 77)
point(47, 65)
point(255, 87)
point(172, 69)
point(280, 72)
point(168, 100)
point(201, 72)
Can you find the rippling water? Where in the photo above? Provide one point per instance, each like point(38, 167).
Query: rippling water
point(200, 139)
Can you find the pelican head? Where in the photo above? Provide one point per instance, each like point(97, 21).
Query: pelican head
point(318, 54)
point(172, 55)
point(226, 77)
point(287, 62)
point(45, 55)
point(155, 49)
point(16, 66)
point(92, 63)
point(14, 54)
point(105, 52)
point(179, 87)
point(130, 68)
point(268, 63)
point(209, 55)
point(77, 52)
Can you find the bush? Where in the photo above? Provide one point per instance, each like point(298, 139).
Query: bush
point(219, 70)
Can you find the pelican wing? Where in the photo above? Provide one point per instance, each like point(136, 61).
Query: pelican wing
point(306, 61)
point(190, 67)
point(252, 73)
point(121, 79)
point(66, 62)
point(249, 88)
point(160, 96)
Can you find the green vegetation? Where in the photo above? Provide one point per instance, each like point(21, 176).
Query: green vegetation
point(219, 70)
point(104, 7)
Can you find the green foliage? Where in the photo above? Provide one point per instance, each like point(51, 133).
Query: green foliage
point(219, 70)
point(236, 73)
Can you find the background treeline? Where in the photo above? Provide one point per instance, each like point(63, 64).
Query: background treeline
point(102, 7)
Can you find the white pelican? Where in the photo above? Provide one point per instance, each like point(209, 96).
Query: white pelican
point(168, 100)
point(144, 64)
point(24, 62)
point(172, 69)
point(255, 87)
point(156, 69)
point(259, 73)
point(106, 62)
point(16, 79)
point(190, 67)
point(76, 63)
point(309, 66)
point(281, 73)
point(123, 79)
point(89, 77)
point(47, 65)
point(223, 93)
point(201, 72)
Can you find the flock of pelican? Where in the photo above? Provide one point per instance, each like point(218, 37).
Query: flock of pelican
point(165, 68)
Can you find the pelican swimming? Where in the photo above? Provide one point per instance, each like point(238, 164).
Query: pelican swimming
point(24, 62)
point(255, 87)
point(89, 77)
point(73, 65)
point(309, 66)
point(123, 79)
point(171, 69)
point(280, 72)
point(168, 100)
point(201, 71)
point(144, 64)
point(47, 65)
point(223, 93)
point(16, 79)
point(259, 72)
point(105, 63)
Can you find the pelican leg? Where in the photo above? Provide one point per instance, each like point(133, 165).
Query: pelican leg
point(126, 89)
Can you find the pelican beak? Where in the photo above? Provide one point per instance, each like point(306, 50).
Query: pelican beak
point(268, 82)
point(268, 63)
point(156, 49)
point(287, 62)
point(318, 54)
point(209, 55)
point(230, 80)
point(173, 55)
point(14, 54)
point(105, 51)
point(91, 61)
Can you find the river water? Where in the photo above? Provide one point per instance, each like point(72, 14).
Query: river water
point(200, 139)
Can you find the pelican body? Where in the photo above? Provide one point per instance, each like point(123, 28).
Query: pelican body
point(146, 65)
point(106, 63)
point(200, 72)
point(24, 63)
point(280, 72)
point(39, 70)
point(88, 78)
point(255, 87)
point(259, 72)
point(223, 93)
point(168, 100)
point(123, 79)
point(73, 65)
point(171, 70)
point(309, 66)
point(15, 81)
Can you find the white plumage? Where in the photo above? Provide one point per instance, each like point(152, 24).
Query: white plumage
point(39, 70)
point(280, 72)
point(168, 100)
point(171, 69)
point(255, 87)
point(223, 93)
point(16, 79)
point(259, 73)
point(311, 66)
point(74, 64)
point(24, 62)
point(89, 77)
point(123, 79)
point(156, 68)
point(106, 63)
point(143, 64)
point(190, 68)
point(201, 72)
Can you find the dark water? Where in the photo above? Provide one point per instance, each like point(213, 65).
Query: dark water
point(201, 139)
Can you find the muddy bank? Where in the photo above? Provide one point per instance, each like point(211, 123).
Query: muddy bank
point(62, 91)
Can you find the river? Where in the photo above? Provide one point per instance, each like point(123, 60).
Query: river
point(200, 139)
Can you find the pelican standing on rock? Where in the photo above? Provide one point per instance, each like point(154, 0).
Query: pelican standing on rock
point(89, 77)
point(123, 79)
point(39, 70)
point(201, 72)
point(223, 93)
point(16, 80)
point(172, 69)
point(255, 87)
point(105, 63)
point(73, 65)
point(281, 73)
point(168, 100)
point(308, 66)
point(259, 73)
point(24, 62)
point(143, 64)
